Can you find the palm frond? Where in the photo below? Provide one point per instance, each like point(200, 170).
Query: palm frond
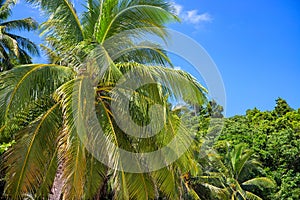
point(237, 189)
point(27, 161)
point(17, 88)
point(53, 57)
point(121, 187)
point(24, 58)
point(25, 44)
point(90, 17)
point(260, 182)
point(27, 24)
point(10, 44)
point(166, 182)
point(48, 176)
point(179, 84)
point(63, 20)
point(75, 166)
point(193, 194)
point(144, 54)
point(144, 16)
point(221, 192)
point(252, 196)
point(96, 174)
point(241, 161)
point(5, 8)
point(136, 186)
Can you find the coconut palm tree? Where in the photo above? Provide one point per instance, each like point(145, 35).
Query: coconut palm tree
point(231, 179)
point(49, 106)
point(14, 49)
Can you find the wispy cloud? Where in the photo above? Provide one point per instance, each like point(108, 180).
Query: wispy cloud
point(178, 8)
point(191, 16)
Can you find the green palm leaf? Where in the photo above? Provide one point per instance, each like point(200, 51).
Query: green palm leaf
point(221, 192)
point(27, 24)
point(25, 44)
point(63, 19)
point(154, 15)
point(75, 168)
point(260, 182)
point(14, 49)
point(252, 196)
point(5, 8)
point(95, 176)
point(27, 160)
point(166, 182)
point(134, 186)
point(17, 91)
point(48, 176)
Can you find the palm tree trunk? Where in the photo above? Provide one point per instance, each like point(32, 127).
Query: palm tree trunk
point(58, 183)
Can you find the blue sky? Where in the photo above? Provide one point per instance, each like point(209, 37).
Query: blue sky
point(255, 45)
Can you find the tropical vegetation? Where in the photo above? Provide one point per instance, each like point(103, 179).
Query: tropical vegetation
point(47, 109)
point(15, 49)
point(270, 137)
point(49, 159)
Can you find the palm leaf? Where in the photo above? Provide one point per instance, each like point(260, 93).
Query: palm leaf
point(73, 153)
point(95, 177)
point(25, 44)
point(17, 89)
point(5, 9)
point(221, 192)
point(193, 194)
point(10, 44)
point(179, 84)
point(260, 182)
point(252, 196)
point(166, 182)
point(27, 160)
point(63, 19)
point(27, 24)
point(75, 167)
point(241, 162)
point(134, 186)
point(144, 16)
point(48, 176)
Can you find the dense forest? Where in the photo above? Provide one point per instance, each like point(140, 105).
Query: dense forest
point(271, 136)
point(44, 111)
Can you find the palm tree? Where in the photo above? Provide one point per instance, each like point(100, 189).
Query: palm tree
point(42, 103)
point(231, 179)
point(14, 49)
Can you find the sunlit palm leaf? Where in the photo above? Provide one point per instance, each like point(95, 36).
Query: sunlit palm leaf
point(63, 19)
point(131, 15)
point(27, 24)
point(27, 161)
point(165, 179)
point(25, 44)
point(260, 182)
point(5, 8)
point(17, 89)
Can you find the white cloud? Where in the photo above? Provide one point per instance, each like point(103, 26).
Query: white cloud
point(178, 8)
point(191, 16)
